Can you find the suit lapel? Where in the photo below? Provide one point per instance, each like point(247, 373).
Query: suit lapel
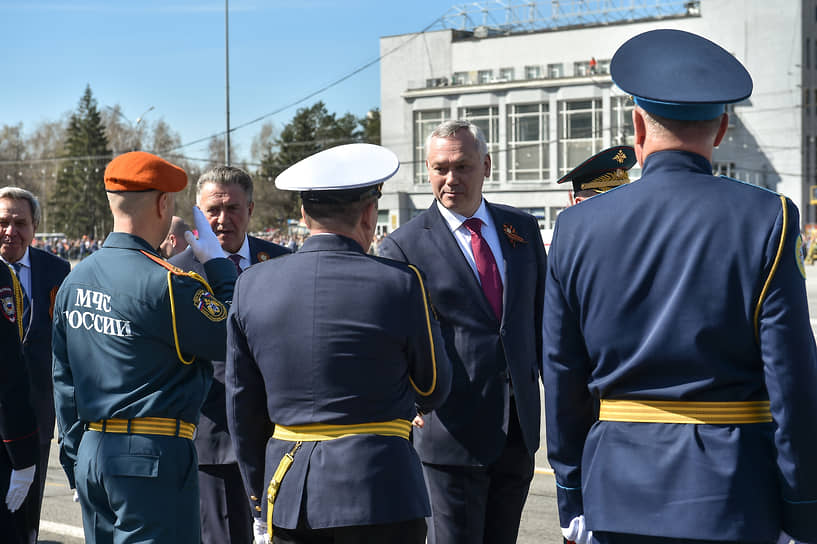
point(452, 256)
point(253, 251)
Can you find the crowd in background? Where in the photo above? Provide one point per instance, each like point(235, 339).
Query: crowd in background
point(76, 249)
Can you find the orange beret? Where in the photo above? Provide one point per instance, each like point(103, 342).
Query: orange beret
point(141, 171)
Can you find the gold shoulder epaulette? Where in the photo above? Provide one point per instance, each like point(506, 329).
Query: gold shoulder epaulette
point(171, 271)
point(175, 269)
point(777, 259)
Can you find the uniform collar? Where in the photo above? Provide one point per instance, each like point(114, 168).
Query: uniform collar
point(327, 241)
point(123, 240)
point(675, 160)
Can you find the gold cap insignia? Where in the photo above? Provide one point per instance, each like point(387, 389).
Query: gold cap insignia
point(608, 180)
point(620, 157)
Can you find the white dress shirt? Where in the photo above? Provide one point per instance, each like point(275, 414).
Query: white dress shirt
point(456, 222)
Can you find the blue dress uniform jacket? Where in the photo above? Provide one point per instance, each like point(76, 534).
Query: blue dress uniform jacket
point(118, 354)
point(470, 428)
point(18, 427)
point(681, 286)
point(332, 335)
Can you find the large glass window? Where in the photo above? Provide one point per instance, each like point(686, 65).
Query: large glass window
point(485, 76)
point(424, 124)
point(487, 119)
point(581, 68)
point(724, 169)
point(459, 78)
point(621, 121)
point(533, 72)
point(528, 155)
point(579, 132)
point(506, 74)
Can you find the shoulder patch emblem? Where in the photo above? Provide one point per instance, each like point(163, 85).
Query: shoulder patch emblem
point(209, 306)
point(262, 256)
point(9, 308)
point(798, 255)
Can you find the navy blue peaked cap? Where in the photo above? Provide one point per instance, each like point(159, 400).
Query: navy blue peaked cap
point(679, 75)
point(603, 171)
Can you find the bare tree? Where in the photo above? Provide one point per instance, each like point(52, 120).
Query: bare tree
point(123, 134)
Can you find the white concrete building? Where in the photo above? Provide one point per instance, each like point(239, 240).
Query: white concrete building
point(543, 111)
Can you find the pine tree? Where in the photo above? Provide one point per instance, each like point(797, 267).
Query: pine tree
point(80, 204)
point(312, 130)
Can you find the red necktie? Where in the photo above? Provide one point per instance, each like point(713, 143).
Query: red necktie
point(486, 266)
point(236, 259)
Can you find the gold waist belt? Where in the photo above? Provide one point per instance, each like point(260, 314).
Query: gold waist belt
point(319, 432)
point(661, 411)
point(145, 425)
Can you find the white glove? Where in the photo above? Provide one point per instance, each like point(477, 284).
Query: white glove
point(18, 487)
point(783, 538)
point(259, 531)
point(75, 498)
point(577, 531)
point(207, 246)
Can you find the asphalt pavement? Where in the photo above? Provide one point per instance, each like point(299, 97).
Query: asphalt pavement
point(61, 520)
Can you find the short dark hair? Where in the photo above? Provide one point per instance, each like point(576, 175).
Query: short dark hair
point(342, 214)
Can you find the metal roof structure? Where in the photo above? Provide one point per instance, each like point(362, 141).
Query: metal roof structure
point(497, 17)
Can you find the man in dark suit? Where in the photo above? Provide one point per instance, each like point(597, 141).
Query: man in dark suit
point(485, 265)
point(224, 194)
point(19, 443)
point(338, 348)
point(41, 274)
point(677, 305)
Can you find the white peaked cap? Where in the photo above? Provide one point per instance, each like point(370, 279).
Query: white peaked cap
point(350, 166)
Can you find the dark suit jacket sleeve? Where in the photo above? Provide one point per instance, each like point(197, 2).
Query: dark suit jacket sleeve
point(568, 405)
point(18, 429)
point(790, 368)
point(389, 249)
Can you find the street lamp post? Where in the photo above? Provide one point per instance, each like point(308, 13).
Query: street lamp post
point(133, 126)
point(227, 77)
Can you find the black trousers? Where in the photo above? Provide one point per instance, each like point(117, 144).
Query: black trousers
point(412, 531)
point(225, 513)
point(481, 505)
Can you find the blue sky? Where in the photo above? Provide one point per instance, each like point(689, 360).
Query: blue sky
point(169, 55)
